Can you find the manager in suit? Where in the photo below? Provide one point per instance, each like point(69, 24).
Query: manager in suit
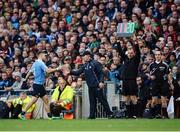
point(93, 73)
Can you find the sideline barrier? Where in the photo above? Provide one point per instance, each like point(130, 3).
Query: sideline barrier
point(81, 101)
point(112, 98)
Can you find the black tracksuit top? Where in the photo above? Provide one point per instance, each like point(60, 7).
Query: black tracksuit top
point(130, 66)
point(92, 71)
point(160, 71)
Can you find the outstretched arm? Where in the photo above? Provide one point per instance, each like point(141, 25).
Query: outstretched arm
point(51, 70)
point(122, 54)
point(77, 72)
point(138, 53)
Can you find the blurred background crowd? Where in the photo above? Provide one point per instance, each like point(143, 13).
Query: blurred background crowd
point(67, 28)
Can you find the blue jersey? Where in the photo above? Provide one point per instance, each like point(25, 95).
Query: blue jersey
point(39, 71)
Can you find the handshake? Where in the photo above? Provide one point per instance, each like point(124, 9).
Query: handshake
point(59, 68)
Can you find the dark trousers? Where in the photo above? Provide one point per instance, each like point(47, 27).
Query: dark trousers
point(141, 107)
point(55, 110)
point(15, 111)
point(94, 94)
point(177, 109)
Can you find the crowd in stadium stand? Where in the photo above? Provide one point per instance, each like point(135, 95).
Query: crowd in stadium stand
point(65, 29)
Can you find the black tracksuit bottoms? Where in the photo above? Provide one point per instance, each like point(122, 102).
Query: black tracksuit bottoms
point(96, 93)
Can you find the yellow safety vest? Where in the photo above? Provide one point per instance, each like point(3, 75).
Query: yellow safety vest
point(24, 102)
point(66, 96)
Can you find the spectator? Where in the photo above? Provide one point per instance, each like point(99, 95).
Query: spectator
point(5, 83)
point(117, 62)
point(172, 60)
point(79, 83)
point(18, 84)
point(2, 65)
point(113, 76)
point(173, 81)
point(93, 43)
point(49, 83)
point(9, 71)
point(111, 11)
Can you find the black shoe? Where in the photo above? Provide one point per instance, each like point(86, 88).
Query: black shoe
point(91, 118)
point(158, 116)
point(164, 117)
point(112, 116)
point(134, 117)
point(22, 116)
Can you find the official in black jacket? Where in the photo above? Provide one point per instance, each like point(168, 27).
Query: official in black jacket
point(158, 74)
point(95, 80)
point(128, 75)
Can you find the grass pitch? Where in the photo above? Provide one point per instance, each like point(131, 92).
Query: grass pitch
point(91, 125)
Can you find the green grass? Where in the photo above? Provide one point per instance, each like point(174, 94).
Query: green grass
point(91, 125)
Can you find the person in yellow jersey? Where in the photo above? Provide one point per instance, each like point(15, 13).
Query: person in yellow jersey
point(18, 104)
point(61, 98)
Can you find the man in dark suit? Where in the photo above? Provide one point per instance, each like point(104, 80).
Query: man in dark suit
point(93, 73)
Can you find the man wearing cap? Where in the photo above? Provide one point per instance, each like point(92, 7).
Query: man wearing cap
point(39, 70)
point(68, 60)
point(94, 78)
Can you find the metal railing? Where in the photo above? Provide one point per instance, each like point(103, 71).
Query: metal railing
point(81, 99)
